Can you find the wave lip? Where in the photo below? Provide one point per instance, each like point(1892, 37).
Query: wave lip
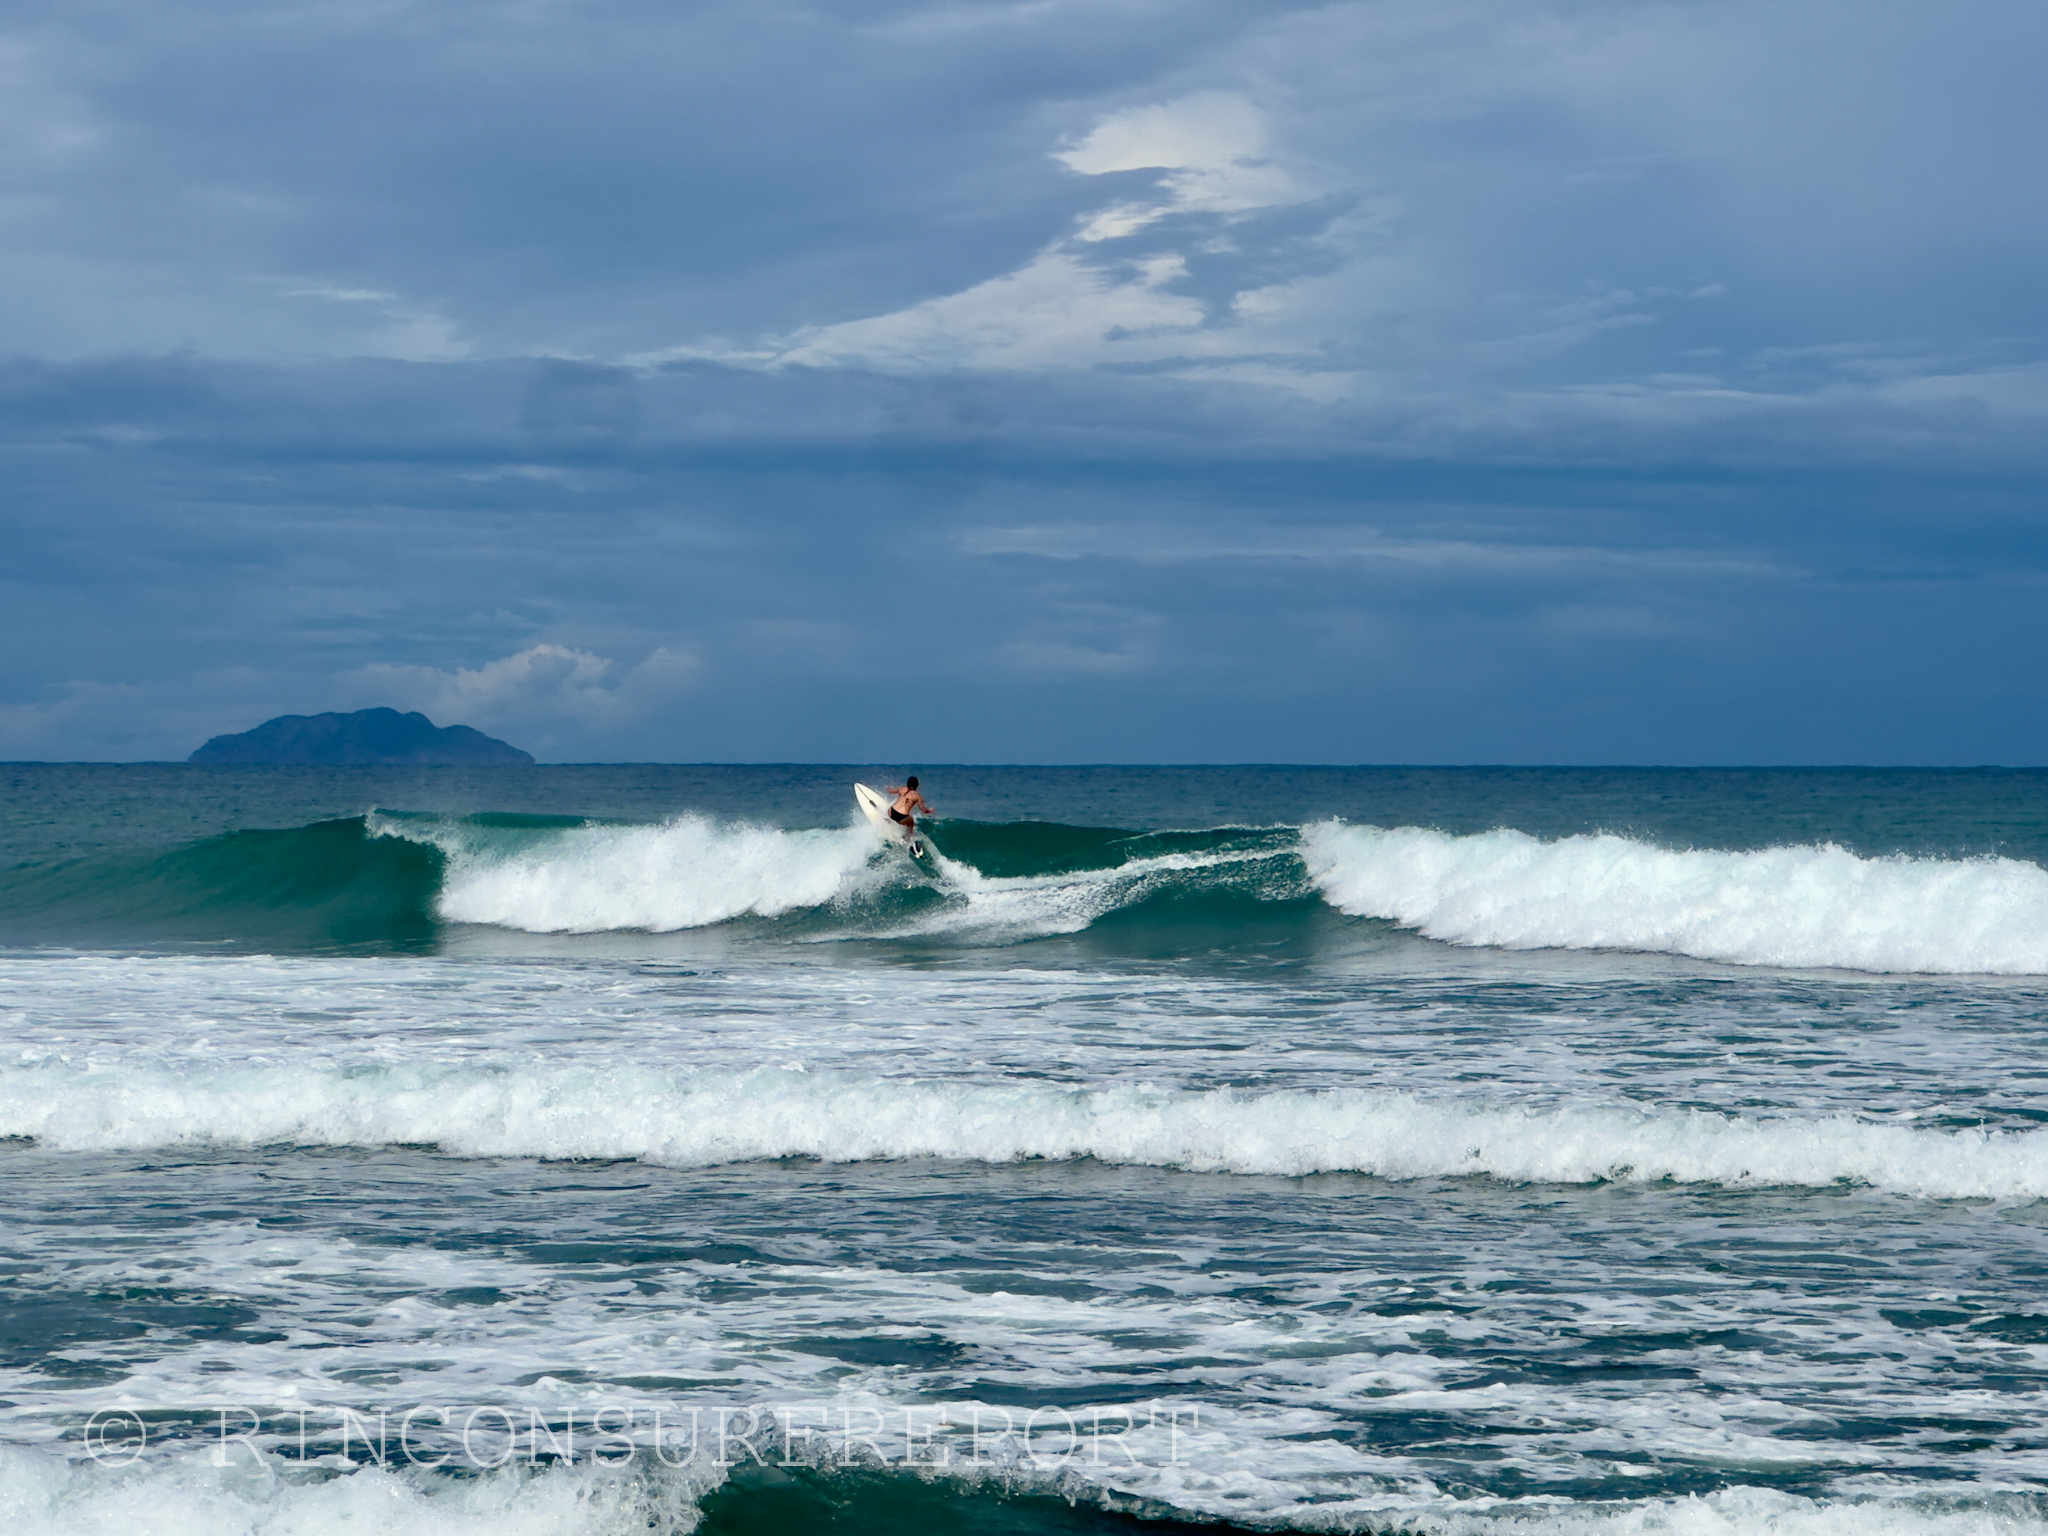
point(699, 1119)
point(1798, 907)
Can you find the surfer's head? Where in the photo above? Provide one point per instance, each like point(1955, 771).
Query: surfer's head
point(911, 782)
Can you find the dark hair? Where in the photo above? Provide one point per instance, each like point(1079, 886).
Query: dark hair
point(911, 782)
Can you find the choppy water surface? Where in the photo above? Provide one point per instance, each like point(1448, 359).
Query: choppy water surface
point(1331, 1149)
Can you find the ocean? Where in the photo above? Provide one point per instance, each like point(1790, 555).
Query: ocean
point(599, 1150)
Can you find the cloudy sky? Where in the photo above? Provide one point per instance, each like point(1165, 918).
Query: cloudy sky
point(1071, 380)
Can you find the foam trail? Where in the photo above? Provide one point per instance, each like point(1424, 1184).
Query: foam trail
point(1028, 906)
point(1801, 907)
point(694, 1119)
point(686, 873)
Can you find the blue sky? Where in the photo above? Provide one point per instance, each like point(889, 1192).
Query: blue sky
point(1409, 382)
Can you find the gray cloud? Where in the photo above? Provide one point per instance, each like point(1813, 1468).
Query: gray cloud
point(1379, 380)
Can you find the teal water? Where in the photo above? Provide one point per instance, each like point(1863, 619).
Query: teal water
point(1334, 1149)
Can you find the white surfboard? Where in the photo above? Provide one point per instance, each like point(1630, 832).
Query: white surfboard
point(874, 803)
point(877, 805)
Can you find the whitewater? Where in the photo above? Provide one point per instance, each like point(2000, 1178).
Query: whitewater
point(701, 1119)
point(1468, 1151)
point(1803, 907)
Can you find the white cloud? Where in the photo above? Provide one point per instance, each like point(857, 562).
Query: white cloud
point(1071, 306)
point(1203, 132)
point(542, 686)
point(1212, 146)
point(1051, 312)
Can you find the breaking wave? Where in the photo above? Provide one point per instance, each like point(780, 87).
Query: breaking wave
point(1031, 879)
point(1796, 907)
point(696, 1119)
point(395, 881)
point(686, 873)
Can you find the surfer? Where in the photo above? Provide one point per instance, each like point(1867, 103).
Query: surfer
point(908, 800)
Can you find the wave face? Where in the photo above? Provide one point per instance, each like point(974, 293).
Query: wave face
point(1795, 907)
point(685, 1119)
point(325, 886)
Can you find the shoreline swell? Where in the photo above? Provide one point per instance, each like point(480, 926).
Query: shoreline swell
point(687, 1119)
point(398, 882)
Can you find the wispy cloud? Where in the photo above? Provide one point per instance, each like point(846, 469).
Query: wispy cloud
point(1281, 545)
point(1079, 302)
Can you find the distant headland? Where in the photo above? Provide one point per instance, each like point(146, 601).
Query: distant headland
point(368, 736)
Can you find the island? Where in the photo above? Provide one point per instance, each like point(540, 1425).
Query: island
point(368, 736)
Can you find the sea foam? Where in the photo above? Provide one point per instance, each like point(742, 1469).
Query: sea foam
point(183, 1493)
point(685, 873)
point(691, 1119)
point(1790, 906)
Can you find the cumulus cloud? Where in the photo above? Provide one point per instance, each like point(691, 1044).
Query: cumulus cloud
point(544, 686)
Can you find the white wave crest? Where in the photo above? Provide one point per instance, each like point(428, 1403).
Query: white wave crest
point(1800, 907)
point(685, 873)
point(695, 1119)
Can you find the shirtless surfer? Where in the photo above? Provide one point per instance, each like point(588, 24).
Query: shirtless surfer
point(908, 800)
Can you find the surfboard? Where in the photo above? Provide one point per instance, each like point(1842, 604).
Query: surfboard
point(876, 805)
